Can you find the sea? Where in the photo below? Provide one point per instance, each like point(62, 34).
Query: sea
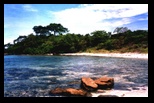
point(37, 75)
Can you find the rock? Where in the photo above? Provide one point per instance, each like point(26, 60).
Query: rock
point(71, 92)
point(88, 84)
point(88, 94)
point(57, 91)
point(107, 96)
point(134, 88)
point(105, 82)
point(75, 92)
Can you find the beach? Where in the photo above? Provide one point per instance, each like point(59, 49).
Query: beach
point(122, 55)
point(136, 92)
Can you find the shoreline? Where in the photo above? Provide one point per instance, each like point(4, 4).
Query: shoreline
point(139, 92)
point(121, 55)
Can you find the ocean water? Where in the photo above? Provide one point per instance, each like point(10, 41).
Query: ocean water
point(35, 76)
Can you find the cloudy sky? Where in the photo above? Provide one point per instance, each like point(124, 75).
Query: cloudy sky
point(19, 19)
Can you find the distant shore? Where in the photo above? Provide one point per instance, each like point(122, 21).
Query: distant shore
point(123, 55)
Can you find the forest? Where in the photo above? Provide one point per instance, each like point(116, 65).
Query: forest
point(56, 39)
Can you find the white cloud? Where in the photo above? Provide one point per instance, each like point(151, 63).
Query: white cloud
point(87, 18)
point(28, 7)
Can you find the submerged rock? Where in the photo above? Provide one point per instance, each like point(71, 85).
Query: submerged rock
point(88, 84)
point(57, 91)
point(108, 96)
point(76, 92)
point(71, 92)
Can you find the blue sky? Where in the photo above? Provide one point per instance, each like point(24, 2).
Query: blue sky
point(19, 19)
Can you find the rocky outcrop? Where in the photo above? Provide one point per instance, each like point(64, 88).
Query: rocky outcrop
point(105, 82)
point(70, 92)
point(100, 83)
point(88, 84)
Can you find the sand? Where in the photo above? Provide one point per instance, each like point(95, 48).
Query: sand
point(122, 55)
point(140, 92)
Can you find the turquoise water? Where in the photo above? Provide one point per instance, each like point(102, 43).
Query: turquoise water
point(35, 76)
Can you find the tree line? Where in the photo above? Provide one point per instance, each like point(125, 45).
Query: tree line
point(51, 39)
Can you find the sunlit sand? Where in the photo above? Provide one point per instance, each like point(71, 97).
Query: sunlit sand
point(123, 55)
point(140, 92)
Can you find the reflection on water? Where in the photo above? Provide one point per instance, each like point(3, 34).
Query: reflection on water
point(36, 75)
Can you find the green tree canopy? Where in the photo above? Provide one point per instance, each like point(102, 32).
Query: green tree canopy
point(19, 39)
point(99, 36)
point(56, 28)
point(40, 30)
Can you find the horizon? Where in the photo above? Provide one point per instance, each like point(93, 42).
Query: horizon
point(19, 19)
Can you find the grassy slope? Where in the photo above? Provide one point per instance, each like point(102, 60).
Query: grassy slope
point(122, 50)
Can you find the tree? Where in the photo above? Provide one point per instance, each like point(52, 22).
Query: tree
point(57, 43)
point(47, 30)
point(99, 36)
point(41, 30)
point(19, 39)
point(56, 28)
point(109, 45)
point(7, 45)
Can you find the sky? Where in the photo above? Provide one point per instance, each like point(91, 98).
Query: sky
point(19, 19)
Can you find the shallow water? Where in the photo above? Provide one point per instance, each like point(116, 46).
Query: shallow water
point(35, 76)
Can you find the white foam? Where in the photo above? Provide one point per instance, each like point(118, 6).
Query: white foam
point(77, 74)
point(121, 79)
point(41, 68)
point(38, 77)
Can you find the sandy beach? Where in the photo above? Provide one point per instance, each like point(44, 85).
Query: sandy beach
point(140, 92)
point(122, 55)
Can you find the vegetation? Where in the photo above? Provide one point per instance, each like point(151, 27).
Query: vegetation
point(50, 39)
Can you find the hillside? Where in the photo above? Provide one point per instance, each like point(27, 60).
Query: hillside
point(96, 42)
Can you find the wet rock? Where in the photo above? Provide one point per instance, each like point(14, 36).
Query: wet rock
point(134, 88)
point(108, 96)
point(88, 94)
point(105, 82)
point(88, 84)
point(75, 92)
point(57, 91)
point(71, 92)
